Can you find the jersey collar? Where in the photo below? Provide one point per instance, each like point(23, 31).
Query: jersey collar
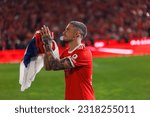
point(74, 48)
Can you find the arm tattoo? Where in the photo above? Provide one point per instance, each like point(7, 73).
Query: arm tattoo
point(47, 59)
point(61, 64)
point(48, 48)
point(51, 62)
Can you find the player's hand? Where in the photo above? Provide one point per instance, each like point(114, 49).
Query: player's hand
point(47, 35)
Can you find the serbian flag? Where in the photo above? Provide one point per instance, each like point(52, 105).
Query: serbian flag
point(33, 60)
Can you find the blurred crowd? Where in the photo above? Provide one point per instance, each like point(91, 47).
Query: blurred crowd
point(105, 19)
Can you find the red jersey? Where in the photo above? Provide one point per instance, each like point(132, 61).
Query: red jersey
point(79, 78)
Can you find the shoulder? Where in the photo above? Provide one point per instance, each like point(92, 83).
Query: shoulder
point(83, 52)
point(83, 49)
point(65, 50)
point(64, 53)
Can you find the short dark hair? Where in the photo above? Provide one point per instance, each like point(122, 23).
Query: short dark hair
point(81, 26)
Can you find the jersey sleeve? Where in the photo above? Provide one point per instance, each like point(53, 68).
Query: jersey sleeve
point(80, 58)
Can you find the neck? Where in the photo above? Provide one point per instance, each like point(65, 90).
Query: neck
point(74, 44)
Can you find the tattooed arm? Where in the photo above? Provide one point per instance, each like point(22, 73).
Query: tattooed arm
point(61, 64)
point(53, 63)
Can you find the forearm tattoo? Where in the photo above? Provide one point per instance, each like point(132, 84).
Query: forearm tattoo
point(61, 64)
point(51, 62)
point(47, 48)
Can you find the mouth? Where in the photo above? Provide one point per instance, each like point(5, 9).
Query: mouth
point(64, 37)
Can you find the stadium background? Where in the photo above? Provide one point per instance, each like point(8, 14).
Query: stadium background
point(118, 36)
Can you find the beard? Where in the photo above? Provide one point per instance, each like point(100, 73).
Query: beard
point(66, 40)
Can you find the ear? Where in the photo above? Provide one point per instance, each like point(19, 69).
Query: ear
point(77, 34)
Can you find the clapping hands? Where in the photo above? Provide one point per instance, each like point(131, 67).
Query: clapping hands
point(47, 35)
